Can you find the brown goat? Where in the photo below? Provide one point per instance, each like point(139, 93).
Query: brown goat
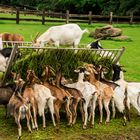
point(12, 37)
point(43, 96)
point(29, 96)
point(19, 108)
point(106, 92)
point(76, 94)
point(61, 96)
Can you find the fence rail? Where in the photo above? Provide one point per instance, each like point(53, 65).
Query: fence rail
point(68, 17)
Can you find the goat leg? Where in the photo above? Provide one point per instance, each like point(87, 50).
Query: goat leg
point(113, 108)
point(51, 107)
point(74, 111)
point(100, 109)
point(28, 117)
point(68, 112)
point(106, 105)
point(82, 111)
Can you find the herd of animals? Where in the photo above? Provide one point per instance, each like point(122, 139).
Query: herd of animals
point(32, 97)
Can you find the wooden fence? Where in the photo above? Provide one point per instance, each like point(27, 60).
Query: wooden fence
point(48, 16)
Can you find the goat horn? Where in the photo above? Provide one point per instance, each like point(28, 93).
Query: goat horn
point(122, 66)
point(34, 40)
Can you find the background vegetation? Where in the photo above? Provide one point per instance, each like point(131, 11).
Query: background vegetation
point(119, 7)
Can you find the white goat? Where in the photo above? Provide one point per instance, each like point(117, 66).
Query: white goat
point(133, 91)
point(90, 95)
point(44, 100)
point(42, 95)
point(68, 34)
point(3, 63)
point(128, 92)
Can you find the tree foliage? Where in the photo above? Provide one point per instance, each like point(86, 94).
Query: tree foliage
point(118, 7)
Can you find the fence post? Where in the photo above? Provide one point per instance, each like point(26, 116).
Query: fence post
point(24, 11)
point(131, 18)
point(67, 16)
point(90, 17)
point(17, 16)
point(43, 17)
point(111, 18)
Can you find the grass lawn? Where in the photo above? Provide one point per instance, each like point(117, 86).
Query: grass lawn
point(112, 131)
point(130, 58)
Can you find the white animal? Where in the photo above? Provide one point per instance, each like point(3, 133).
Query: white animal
point(44, 100)
point(3, 63)
point(133, 91)
point(128, 92)
point(68, 34)
point(89, 93)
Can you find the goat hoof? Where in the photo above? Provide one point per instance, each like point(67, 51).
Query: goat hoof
point(124, 124)
point(34, 128)
point(91, 126)
point(100, 123)
point(19, 137)
point(106, 122)
point(69, 124)
point(84, 126)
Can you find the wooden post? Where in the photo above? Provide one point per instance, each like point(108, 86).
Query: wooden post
point(90, 17)
point(24, 11)
point(67, 16)
point(43, 17)
point(111, 18)
point(131, 18)
point(17, 16)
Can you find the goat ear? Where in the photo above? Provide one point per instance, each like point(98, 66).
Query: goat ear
point(87, 73)
point(28, 71)
point(43, 74)
point(95, 71)
point(35, 38)
point(16, 81)
point(77, 70)
point(53, 72)
point(122, 66)
point(13, 75)
point(124, 70)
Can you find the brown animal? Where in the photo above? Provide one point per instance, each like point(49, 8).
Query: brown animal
point(42, 96)
point(76, 94)
point(19, 108)
point(29, 96)
point(106, 92)
point(11, 37)
point(61, 96)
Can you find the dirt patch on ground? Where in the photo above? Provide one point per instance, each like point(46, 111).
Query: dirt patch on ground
point(128, 135)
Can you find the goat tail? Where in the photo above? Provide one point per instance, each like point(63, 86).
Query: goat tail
point(23, 110)
point(138, 100)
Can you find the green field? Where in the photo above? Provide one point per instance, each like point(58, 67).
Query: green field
point(130, 58)
point(112, 131)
